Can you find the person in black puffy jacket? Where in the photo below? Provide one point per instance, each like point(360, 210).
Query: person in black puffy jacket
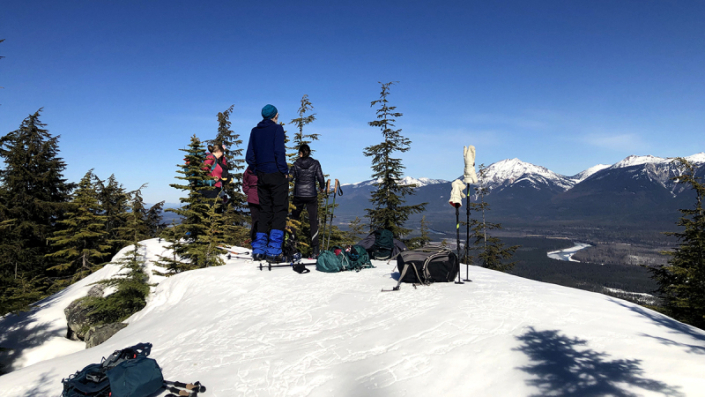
point(305, 172)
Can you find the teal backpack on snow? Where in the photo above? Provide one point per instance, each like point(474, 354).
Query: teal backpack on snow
point(329, 262)
point(358, 258)
point(355, 259)
point(383, 246)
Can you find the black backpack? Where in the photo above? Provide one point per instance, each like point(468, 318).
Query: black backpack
point(126, 372)
point(383, 247)
point(426, 266)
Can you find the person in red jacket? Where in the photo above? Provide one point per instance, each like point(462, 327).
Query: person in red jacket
point(219, 172)
point(249, 187)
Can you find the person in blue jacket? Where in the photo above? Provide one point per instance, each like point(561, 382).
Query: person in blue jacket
point(267, 157)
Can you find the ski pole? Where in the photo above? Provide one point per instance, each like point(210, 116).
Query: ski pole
point(325, 215)
point(457, 238)
point(337, 191)
point(467, 238)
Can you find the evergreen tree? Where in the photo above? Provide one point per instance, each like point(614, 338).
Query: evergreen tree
point(131, 283)
point(491, 251)
point(301, 227)
point(682, 281)
point(155, 220)
point(357, 229)
point(33, 196)
point(173, 264)
point(389, 211)
point(235, 213)
point(199, 214)
point(114, 204)
point(423, 239)
point(81, 243)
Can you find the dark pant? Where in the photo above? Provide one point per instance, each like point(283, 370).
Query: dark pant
point(254, 213)
point(311, 204)
point(273, 192)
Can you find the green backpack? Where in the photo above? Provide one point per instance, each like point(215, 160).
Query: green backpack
point(384, 244)
point(358, 258)
point(329, 262)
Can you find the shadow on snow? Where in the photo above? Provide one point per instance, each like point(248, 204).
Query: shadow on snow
point(563, 366)
point(22, 331)
point(674, 326)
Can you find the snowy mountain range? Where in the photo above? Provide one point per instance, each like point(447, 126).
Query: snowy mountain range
point(245, 332)
point(511, 172)
point(636, 189)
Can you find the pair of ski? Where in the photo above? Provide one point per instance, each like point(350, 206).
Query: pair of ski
point(243, 254)
point(183, 389)
point(268, 265)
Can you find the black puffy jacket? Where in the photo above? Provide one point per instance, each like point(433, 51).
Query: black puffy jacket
point(306, 172)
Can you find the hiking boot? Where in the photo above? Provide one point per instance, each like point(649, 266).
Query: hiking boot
point(275, 258)
point(258, 257)
point(315, 253)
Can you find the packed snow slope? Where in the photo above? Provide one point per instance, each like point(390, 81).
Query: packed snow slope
point(246, 332)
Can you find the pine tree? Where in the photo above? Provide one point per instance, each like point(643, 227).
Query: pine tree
point(81, 244)
point(301, 227)
point(131, 283)
point(114, 204)
point(357, 229)
point(491, 251)
point(235, 213)
point(389, 211)
point(155, 220)
point(33, 196)
point(423, 239)
point(197, 212)
point(682, 281)
point(173, 264)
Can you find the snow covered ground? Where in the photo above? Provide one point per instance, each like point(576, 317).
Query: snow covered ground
point(246, 332)
point(567, 254)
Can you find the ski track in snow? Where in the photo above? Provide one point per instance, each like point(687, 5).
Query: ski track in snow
point(246, 332)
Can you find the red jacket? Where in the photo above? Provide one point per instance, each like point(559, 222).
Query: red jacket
point(218, 170)
point(249, 186)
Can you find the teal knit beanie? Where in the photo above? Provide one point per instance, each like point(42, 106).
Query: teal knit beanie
point(269, 111)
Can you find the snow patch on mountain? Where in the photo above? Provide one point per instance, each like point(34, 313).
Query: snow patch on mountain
point(589, 172)
point(659, 169)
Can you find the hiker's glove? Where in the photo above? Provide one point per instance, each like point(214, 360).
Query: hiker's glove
point(469, 176)
point(457, 195)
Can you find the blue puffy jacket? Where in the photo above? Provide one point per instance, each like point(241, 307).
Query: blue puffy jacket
point(265, 151)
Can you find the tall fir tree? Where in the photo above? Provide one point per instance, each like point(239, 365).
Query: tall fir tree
point(198, 213)
point(235, 213)
point(33, 197)
point(491, 252)
point(388, 210)
point(301, 227)
point(114, 204)
point(81, 245)
point(682, 282)
point(154, 217)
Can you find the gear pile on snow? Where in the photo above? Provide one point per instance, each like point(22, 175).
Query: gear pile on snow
point(125, 373)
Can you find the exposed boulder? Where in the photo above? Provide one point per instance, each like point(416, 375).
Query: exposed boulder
point(77, 314)
point(98, 334)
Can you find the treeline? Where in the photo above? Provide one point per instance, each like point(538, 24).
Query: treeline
point(53, 232)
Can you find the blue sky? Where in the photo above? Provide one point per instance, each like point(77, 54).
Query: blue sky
point(562, 84)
